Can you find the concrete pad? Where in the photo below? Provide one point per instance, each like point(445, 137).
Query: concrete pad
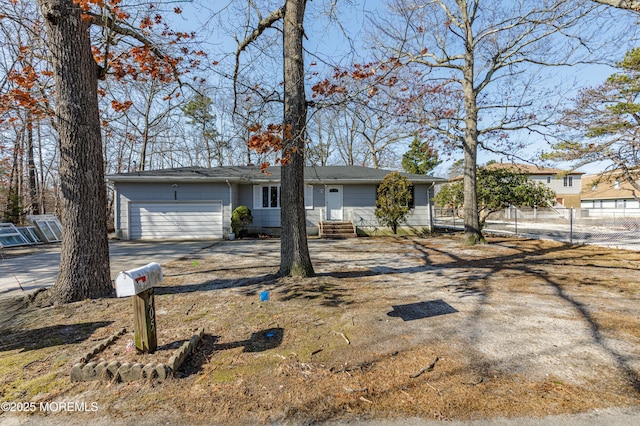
point(38, 267)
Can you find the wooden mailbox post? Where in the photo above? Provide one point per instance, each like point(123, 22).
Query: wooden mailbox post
point(139, 283)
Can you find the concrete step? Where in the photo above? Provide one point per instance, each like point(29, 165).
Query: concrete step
point(341, 227)
point(339, 236)
point(338, 230)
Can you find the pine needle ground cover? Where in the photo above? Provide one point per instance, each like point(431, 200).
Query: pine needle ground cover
point(388, 328)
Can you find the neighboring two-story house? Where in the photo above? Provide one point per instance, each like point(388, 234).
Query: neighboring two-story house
point(566, 185)
point(608, 192)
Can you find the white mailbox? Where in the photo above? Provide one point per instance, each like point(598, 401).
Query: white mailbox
point(135, 281)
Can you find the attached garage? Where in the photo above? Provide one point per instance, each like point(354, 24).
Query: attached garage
point(177, 220)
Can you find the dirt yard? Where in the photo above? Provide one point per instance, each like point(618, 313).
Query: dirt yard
point(389, 328)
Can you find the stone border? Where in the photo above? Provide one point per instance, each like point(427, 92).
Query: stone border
point(83, 371)
point(101, 346)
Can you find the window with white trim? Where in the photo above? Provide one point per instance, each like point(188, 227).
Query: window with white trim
point(266, 196)
point(568, 181)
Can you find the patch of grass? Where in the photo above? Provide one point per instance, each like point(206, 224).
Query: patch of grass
point(26, 389)
point(221, 375)
point(195, 317)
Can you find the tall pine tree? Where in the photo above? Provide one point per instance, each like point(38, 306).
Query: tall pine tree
point(421, 158)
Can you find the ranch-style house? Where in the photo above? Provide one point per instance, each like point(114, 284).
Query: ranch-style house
point(196, 203)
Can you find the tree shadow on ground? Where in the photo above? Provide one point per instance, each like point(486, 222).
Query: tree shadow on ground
point(476, 271)
point(218, 270)
point(526, 262)
point(327, 293)
point(259, 341)
point(218, 284)
point(171, 345)
point(469, 285)
point(623, 362)
point(49, 336)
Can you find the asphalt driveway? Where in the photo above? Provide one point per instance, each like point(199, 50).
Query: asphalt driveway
point(38, 267)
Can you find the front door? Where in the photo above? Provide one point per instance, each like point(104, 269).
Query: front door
point(334, 202)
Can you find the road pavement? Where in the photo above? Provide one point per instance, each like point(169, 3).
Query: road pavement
point(28, 270)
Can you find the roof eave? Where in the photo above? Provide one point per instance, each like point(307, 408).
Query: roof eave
point(117, 179)
point(266, 179)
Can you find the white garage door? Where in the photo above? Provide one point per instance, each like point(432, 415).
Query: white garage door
point(175, 221)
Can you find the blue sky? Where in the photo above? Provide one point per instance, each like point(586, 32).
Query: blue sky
point(330, 41)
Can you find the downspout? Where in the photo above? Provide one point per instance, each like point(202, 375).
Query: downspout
point(230, 204)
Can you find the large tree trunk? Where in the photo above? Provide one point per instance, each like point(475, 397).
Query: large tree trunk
point(472, 231)
point(84, 262)
point(295, 259)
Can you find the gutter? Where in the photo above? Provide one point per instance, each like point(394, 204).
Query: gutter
point(156, 178)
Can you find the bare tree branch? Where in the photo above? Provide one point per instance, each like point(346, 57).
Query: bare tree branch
point(264, 24)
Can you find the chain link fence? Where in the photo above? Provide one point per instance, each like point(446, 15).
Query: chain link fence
point(618, 228)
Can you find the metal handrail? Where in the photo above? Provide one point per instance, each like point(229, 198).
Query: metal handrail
point(362, 222)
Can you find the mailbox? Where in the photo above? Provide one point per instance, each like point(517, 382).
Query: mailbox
point(135, 281)
point(139, 283)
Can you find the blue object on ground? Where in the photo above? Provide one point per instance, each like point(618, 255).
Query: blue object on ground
point(264, 296)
